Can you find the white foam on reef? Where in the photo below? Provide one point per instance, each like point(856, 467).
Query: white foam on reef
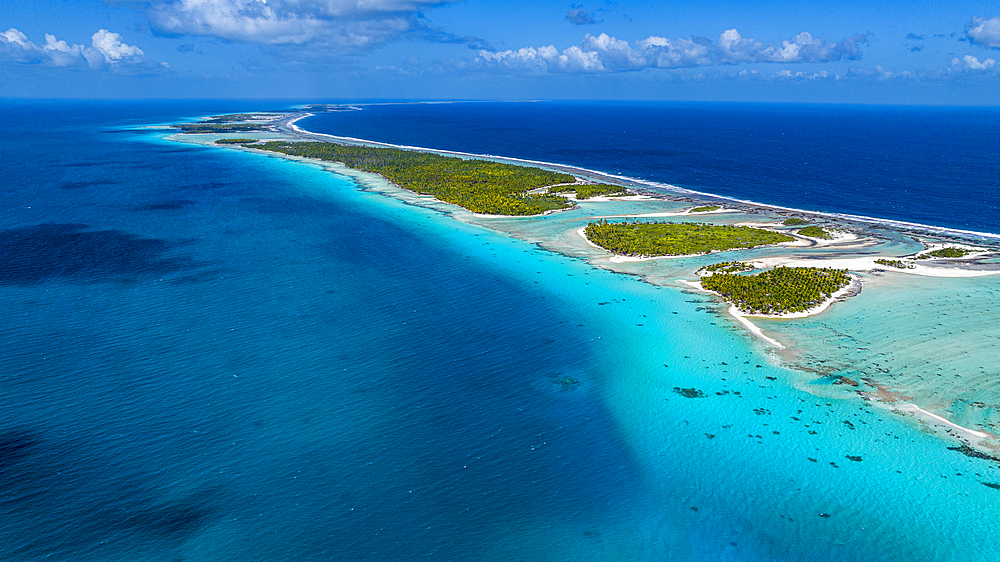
point(658, 186)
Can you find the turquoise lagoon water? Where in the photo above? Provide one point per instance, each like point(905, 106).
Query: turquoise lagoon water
point(216, 355)
point(932, 340)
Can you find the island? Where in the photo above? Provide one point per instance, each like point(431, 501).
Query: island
point(206, 127)
point(947, 252)
point(649, 239)
point(816, 232)
point(726, 267)
point(898, 264)
point(794, 221)
point(779, 291)
point(480, 186)
point(584, 191)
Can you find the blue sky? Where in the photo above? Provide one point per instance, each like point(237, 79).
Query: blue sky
point(836, 51)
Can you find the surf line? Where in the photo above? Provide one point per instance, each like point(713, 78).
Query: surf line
point(663, 187)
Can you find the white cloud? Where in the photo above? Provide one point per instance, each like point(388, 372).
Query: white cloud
point(789, 75)
point(14, 46)
point(985, 32)
point(107, 52)
point(110, 45)
point(62, 53)
point(344, 23)
point(734, 48)
point(603, 53)
point(969, 62)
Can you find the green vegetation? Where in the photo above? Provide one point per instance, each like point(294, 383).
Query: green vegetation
point(780, 290)
point(794, 221)
point(480, 186)
point(727, 267)
point(190, 128)
point(706, 209)
point(677, 239)
point(894, 263)
point(949, 252)
point(231, 118)
point(588, 190)
point(816, 232)
point(235, 141)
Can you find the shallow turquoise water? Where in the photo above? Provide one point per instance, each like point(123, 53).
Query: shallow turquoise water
point(933, 340)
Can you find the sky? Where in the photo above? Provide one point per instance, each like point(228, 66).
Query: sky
point(836, 51)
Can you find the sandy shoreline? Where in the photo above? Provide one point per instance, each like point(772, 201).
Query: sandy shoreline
point(744, 318)
point(667, 189)
point(934, 418)
point(739, 316)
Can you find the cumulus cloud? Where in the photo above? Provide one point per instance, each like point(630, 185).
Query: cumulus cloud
point(786, 74)
point(579, 16)
point(969, 62)
point(349, 24)
point(985, 32)
point(603, 53)
point(114, 51)
point(106, 52)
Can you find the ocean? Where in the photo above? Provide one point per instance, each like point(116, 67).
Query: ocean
point(211, 354)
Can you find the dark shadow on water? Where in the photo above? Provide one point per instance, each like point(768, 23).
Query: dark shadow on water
point(136, 514)
point(15, 445)
point(69, 499)
point(34, 254)
point(200, 276)
point(171, 205)
point(78, 164)
point(72, 185)
point(208, 185)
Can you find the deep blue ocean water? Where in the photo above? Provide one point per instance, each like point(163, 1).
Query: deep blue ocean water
point(215, 355)
point(196, 339)
point(937, 166)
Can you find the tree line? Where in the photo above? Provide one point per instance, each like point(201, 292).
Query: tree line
point(480, 186)
point(780, 290)
point(647, 239)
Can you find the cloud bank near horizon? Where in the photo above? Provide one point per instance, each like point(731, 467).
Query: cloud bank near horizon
point(604, 53)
